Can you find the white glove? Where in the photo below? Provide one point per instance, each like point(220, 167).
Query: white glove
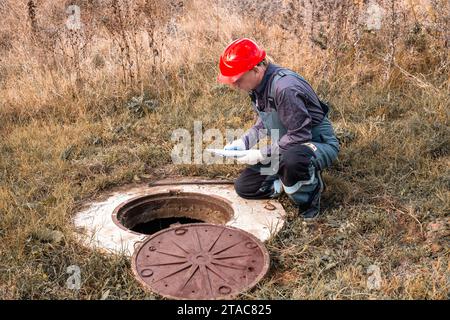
point(253, 157)
point(238, 144)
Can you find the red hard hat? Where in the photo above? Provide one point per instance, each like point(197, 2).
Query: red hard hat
point(239, 57)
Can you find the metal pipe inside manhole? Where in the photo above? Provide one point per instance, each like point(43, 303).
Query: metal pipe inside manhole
point(151, 213)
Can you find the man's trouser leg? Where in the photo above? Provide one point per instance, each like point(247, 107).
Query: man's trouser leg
point(325, 147)
point(251, 184)
point(299, 171)
point(294, 165)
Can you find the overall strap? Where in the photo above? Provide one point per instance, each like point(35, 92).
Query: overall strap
point(284, 72)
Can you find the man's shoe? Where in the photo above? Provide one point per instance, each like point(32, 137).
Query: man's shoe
point(273, 186)
point(277, 188)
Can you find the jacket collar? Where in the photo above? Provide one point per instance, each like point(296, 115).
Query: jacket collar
point(259, 90)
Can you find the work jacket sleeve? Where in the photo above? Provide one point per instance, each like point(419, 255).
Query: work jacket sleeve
point(254, 134)
point(295, 117)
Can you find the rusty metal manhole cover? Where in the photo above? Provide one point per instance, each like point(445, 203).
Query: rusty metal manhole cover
point(200, 261)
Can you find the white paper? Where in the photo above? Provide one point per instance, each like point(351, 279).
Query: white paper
point(229, 153)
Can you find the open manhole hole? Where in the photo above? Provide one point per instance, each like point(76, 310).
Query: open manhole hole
point(152, 213)
point(200, 261)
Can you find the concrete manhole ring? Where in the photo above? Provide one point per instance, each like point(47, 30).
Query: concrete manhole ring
point(200, 261)
point(115, 224)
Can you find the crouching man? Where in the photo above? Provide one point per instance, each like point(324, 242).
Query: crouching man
point(290, 112)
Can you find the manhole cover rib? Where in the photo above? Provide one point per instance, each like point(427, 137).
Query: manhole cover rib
point(200, 261)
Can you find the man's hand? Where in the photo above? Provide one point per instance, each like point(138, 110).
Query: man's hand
point(235, 145)
point(253, 157)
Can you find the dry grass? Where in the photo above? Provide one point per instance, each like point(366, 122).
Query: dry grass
point(70, 129)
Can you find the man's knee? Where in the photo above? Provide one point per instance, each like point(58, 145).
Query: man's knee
point(243, 187)
point(238, 186)
point(252, 184)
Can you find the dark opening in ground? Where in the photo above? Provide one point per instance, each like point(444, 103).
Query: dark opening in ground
point(156, 225)
point(151, 213)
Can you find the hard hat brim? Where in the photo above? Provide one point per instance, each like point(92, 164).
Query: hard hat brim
point(229, 79)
